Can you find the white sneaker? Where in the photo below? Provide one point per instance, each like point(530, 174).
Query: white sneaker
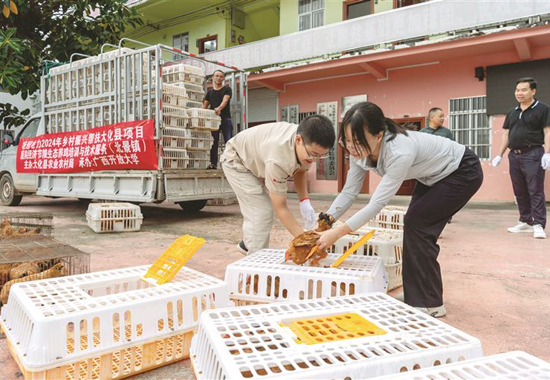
point(538, 232)
point(436, 312)
point(521, 227)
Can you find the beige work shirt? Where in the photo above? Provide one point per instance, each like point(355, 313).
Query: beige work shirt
point(268, 151)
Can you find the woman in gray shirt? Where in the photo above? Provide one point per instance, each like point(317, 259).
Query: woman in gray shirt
point(448, 175)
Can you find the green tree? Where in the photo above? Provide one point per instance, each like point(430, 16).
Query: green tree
point(33, 31)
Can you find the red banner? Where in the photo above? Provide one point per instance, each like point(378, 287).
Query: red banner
point(121, 146)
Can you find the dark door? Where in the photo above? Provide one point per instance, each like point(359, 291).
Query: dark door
point(415, 124)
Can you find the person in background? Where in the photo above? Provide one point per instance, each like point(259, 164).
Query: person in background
point(526, 130)
point(258, 162)
point(448, 175)
point(436, 117)
point(218, 98)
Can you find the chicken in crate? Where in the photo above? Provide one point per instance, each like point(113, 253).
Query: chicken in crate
point(29, 253)
point(37, 257)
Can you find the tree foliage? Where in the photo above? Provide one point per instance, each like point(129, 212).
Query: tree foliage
point(33, 31)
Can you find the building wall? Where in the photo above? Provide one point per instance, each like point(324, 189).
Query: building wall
point(412, 92)
point(382, 5)
point(200, 28)
point(261, 22)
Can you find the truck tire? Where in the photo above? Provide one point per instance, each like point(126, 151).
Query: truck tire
point(193, 206)
point(7, 191)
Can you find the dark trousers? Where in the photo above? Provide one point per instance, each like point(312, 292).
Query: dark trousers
point(226, 127)
point(427, 216)
point(528, 182)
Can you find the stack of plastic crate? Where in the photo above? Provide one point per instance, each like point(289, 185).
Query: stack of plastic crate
point(392, 217)
point(187, 145)
point(355, 337)
point(264, 277)
point(386, 244)
point(106, 325)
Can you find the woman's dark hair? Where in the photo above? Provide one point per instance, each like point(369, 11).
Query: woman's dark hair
point(367, 115)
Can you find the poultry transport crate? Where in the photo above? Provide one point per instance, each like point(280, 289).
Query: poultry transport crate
point(187, 139)
point(37, 257)
point(23, 224)
point(205, 119)
point(114, 217)
point(392, 217)
point(106, 325)
point(515, 365)
point(386, 244)
point(351, 337)
point(264, 277)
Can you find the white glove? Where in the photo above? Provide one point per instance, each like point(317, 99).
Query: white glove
point(545, 161)
point(496, 161)
point(308, 213)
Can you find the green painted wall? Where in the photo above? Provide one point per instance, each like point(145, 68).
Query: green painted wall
point(382, 5)
point(289, 16)
point(200, 28)
point(261, 21)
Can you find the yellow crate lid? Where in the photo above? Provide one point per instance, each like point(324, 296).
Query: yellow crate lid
point(333, 328)
point(165, 268)
point(353, 248)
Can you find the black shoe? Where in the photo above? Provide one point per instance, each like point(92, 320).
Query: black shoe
point(242, 248)
point(212, 167)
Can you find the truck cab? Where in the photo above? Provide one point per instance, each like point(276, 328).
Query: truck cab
point(13, 184)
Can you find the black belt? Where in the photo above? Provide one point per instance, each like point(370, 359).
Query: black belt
point(526, 150)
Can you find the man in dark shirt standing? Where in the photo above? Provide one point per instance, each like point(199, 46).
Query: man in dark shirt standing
point(526, 129)
point(218, 98)
point(436, 118)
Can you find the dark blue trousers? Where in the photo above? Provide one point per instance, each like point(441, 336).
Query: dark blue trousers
point(226, 128)
point(528, 182)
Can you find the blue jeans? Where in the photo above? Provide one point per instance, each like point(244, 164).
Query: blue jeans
point(226, 127)
point(528, 182)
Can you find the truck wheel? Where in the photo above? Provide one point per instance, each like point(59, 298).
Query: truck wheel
point(7, 191)
point(193, 206)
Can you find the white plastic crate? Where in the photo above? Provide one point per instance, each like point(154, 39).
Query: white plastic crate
point(174, 95)
point(516, 365)
point(109, 324)
point(198, 140)
point(114, 217)
point(386, 244)
point(187, 139)
point(184, 68)
point(195, 92)
point(265, 277)
point(173, 158)
point(250, 342)
point(392, 217)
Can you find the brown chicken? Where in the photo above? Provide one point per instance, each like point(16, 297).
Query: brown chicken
point(304, 247)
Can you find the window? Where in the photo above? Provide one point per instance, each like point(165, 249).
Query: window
point(357, 8)
point(311, 14)
point(181, 41)
point(31, 129)
point(207, 44)
point(469, 123)
point(406, 3)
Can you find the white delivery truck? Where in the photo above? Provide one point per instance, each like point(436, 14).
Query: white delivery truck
point(155, 82)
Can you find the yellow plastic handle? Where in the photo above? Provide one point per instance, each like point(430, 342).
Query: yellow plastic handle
point(353, 248)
